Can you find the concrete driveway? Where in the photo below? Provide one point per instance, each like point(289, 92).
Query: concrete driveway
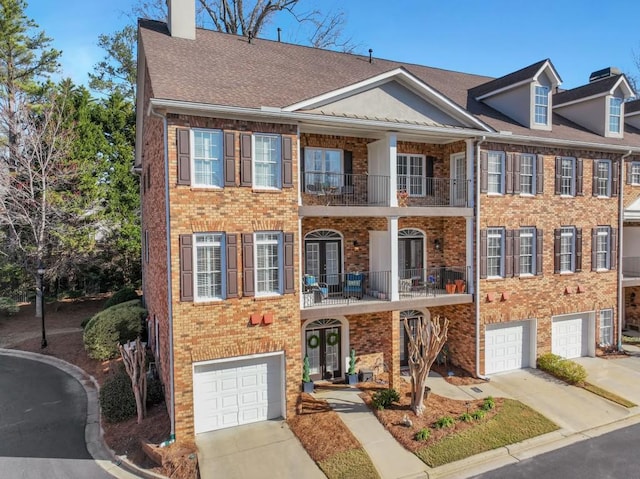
point(264, 449)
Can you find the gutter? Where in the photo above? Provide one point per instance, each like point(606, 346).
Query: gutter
point(172, 410)
point(477, 267)
point(620, 238)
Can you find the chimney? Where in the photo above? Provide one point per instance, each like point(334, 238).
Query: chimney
point(604, 73)
point(182, 18)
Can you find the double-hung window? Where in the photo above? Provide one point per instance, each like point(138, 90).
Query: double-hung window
point(527, 251)
point(633, 172)
point(495, 252)
point(567, 176)
point(567, 249)
point(268, 260)
point(495, 172)
point(411, 174)
point(323, 169)
point(602, 178)
point(606, 327)
point(209, 266)
point(615, 110)
point(527, 174)
point(207, 158)
point(602, 246)
point(542, 105)
point(266, 161)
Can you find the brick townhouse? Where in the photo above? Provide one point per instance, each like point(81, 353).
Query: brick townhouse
point(297, 201)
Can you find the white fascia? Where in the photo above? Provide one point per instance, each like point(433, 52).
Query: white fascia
point(556, 80)
point(409, 80)
point(622, 80)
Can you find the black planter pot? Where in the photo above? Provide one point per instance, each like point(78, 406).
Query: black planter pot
point(307, 387)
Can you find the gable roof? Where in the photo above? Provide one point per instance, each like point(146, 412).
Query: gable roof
point(593, 89)
point(505, 82)
point(632, 107)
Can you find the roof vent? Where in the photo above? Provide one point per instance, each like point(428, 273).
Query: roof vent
point(370, 55)
point(604, 73)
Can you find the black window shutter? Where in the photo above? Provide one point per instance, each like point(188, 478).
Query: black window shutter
point(186, 268)
point(287, 162)
point(594, 179)
point(289, 283)
point(558, 175)
point(594, 248)
point(348, 168)
point(556, 250)
point(540, 174)
point(578, 250)
point(302, 165)
point(629, 169)
point(245, 159)
point(579, 177)
point(614, 248)
point(539, 251)
point(248, 273)
point(183, 137)
point(232, 265)
point(508, 256)
point(615, 173)
point(484, 174)
point(429, 174)
point(516, 252)
point(509, 173)
point(483, 253)
point(229, 158)
point(517, 159)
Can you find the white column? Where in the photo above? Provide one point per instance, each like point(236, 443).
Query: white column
point(470, 172)
point(392, 144)
point(393, 246)
point(470, 265)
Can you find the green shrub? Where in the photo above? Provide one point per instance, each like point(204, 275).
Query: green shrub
point(445, 422)
point(479, 414)
point(116, 398)
point(466, 417)
point(8, 306)
point(488, 404)
point(382, 399)
point(155, 394)
point(113, 326)
point(125, 294)
point(563, 369)
point(423, 434)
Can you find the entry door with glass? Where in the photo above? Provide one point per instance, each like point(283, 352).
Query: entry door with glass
point(459, 180)
point(322, 345)
point(412, 318)
point(411, 254)
point(323, 257)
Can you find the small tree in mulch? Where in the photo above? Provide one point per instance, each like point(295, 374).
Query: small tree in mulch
point(425, 342)
point(134, 359)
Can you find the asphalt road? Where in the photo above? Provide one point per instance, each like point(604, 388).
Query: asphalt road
point(43, 412)
point(610, 456)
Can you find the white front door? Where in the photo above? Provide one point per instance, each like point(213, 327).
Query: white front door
point(458, 179)
point(569, 336)
point(507, 346)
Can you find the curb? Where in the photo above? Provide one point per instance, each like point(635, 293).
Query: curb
point(104, 456)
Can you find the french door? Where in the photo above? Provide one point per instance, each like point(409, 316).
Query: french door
point(459, 180)
point(410, 254)
point(323, 258)
point(322, 343)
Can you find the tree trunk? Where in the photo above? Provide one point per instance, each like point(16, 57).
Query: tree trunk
point(133, 357)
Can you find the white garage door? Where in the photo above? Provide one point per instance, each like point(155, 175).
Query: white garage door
point(507, 346)
point(569, 336)
point(227, 394)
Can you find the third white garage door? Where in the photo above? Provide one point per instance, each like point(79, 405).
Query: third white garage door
point(241, 391)
point(508, 346)
point(569, 335)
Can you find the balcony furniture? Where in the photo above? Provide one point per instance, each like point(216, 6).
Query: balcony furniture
point(406, 285)
point(320, 291)
point(353, 285)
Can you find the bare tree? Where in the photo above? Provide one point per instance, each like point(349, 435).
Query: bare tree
point(426, 340)
point(134, 356)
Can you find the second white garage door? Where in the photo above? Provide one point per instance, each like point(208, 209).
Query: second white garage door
point(508, 346)
point(569, 336)
point(242, 391)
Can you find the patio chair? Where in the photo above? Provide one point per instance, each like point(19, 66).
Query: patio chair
point(320, 290)
point(353, 285)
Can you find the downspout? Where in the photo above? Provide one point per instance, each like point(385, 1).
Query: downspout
point(620, 232)
point(172, 411)
point(476, 262)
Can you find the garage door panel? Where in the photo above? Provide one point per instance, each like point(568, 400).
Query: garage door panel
point(569, 336)
point(507, 346)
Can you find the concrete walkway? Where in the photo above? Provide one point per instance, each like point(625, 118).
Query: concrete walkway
point(388, 456)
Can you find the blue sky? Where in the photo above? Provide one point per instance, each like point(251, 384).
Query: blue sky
point(488, 37)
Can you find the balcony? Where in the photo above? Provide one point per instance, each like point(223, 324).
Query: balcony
point(363, 292)
point(334, 189)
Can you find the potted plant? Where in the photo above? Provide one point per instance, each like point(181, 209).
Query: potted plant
point(460, 285)
point(450, 287)
point(352, 377)
point(307, 383)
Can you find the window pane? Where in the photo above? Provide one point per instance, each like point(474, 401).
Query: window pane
point(267, 263)
point(410, 169)
point(603, 177)
point(207, 158)
point(567, 249)
point(267, 161)
point(635, 173)
point(494, 176)
point(541, 105)
point(209, 266)
point(602, 248)
point(527, 165)
point(567, 177)
point(527, 253)
point(494, 251)
point(606, 327)
point(614, 114)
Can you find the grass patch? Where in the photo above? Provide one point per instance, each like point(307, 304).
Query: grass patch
point(349, 464)
point(608, 395)
point(515, 422)
point(631, 339)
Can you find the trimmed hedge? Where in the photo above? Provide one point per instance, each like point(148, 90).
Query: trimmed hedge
point(120, 296)
point(8, 306)
point(116, 398)
point(562, 368)
point(116, 325)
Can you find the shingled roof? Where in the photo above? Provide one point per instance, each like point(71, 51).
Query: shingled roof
point(226, 70)
point(599, 87)
point(526, 73)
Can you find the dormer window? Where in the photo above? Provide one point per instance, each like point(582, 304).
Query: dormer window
point(615, 107)
point(542, 105)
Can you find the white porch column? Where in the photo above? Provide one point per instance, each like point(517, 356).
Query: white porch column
point(470, 172)
point(469, 262)
point(392, 143)
point(470, 231)
point(393, 243)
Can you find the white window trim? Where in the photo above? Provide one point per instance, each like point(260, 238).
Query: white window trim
point(604, 231)
point(637, 164)
point(534, 236)
point(574, 178)
point(192, 149)
point(502, 173)
point(547, 106)
point(308, 150)
point(596, 164)
point(280, 264)
point(620, 116)
point(254, 162)
point(408, 176)
point(608, 327)
point(223, 269)
point(572, 234)
point(534, 174)
point(493, 234)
